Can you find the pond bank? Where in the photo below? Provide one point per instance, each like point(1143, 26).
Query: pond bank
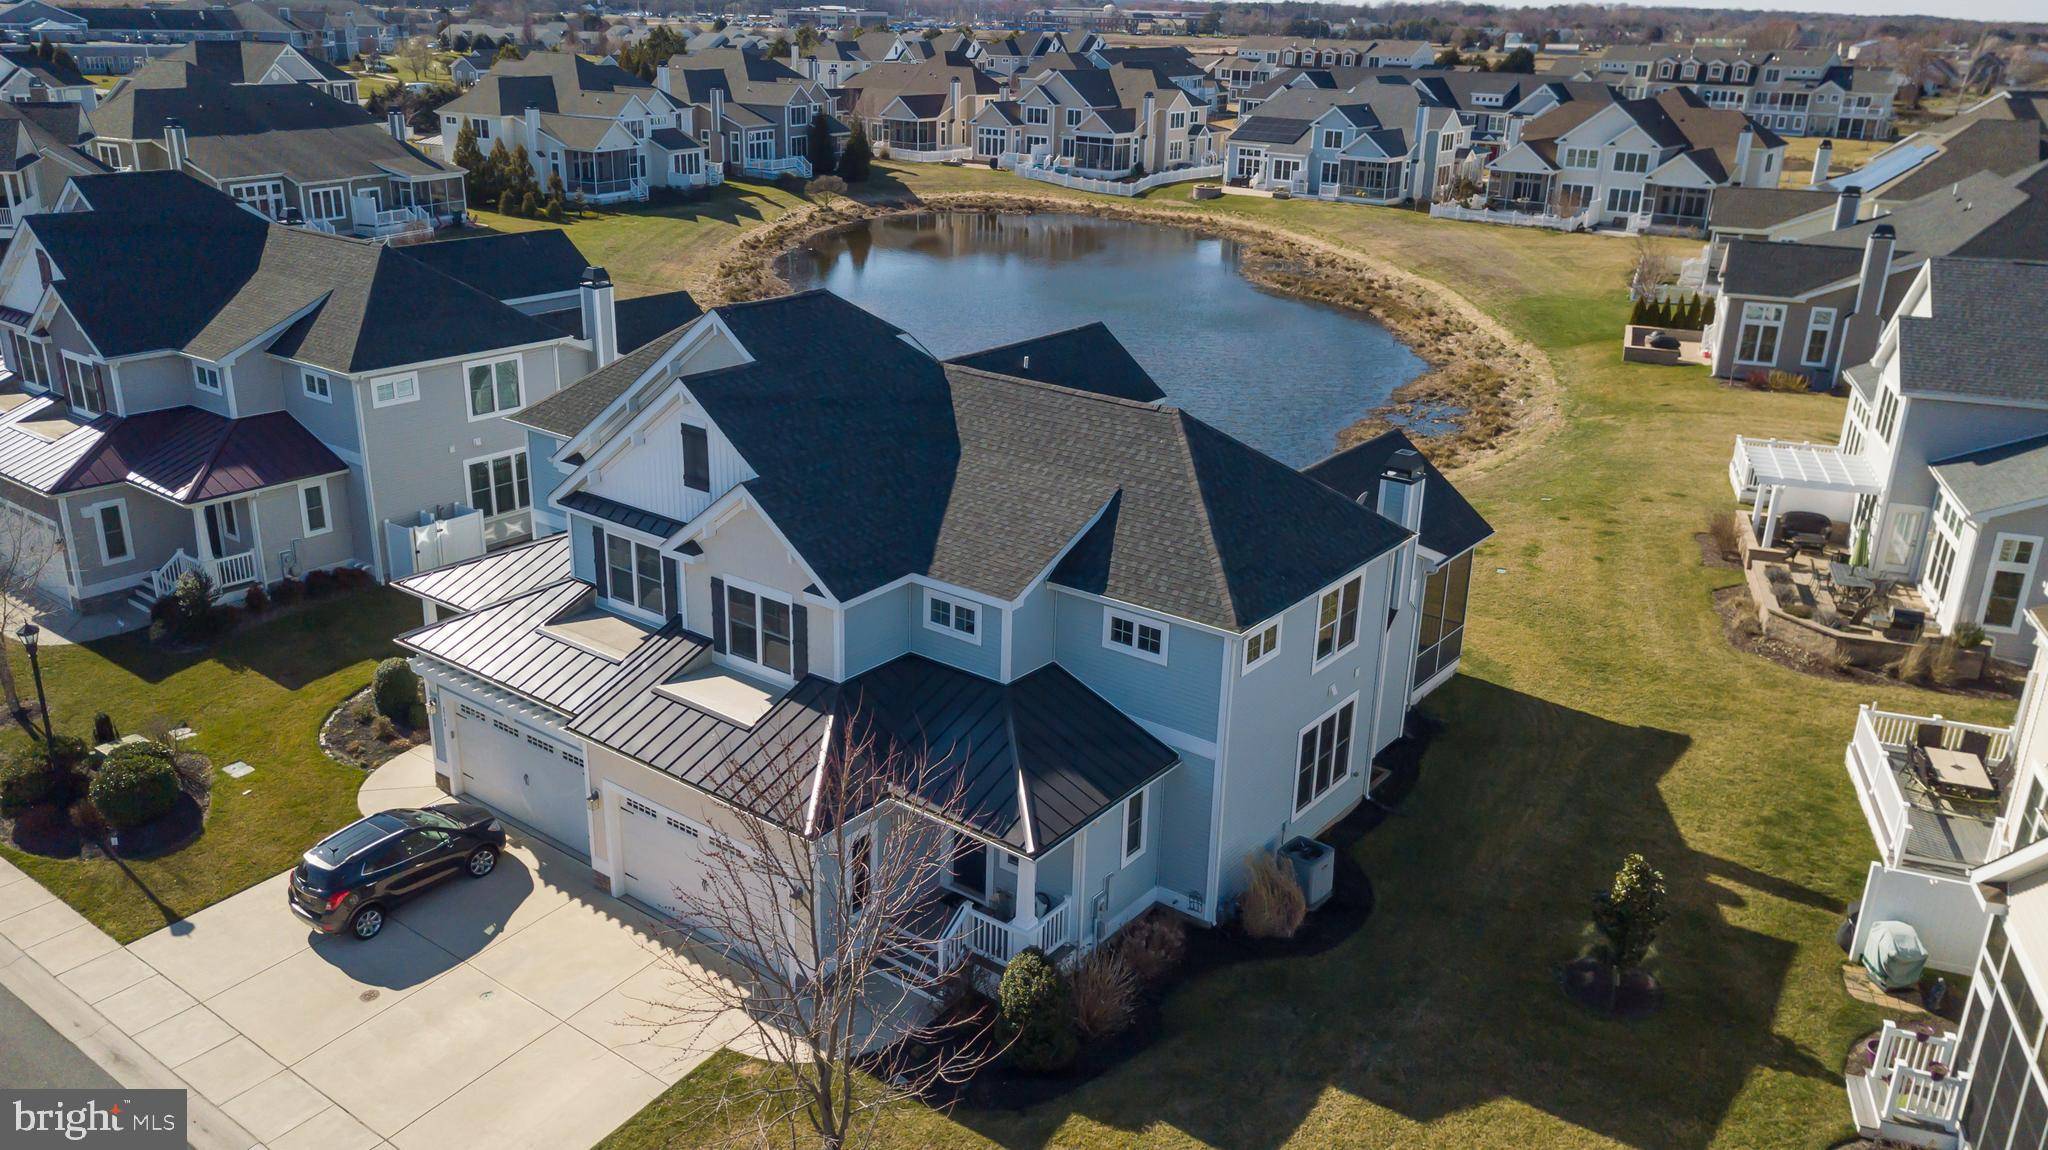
point(1503, 389)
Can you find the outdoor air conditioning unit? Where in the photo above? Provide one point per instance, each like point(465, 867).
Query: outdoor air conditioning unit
point(1315, 867)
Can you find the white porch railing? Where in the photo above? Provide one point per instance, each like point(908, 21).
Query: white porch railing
point(226, 572)
point(388, 222)
point(975, 931)
point(1890, 812)
point(798, 165)
point(1551, 220)
point(1915, 1091)
point(934, 155)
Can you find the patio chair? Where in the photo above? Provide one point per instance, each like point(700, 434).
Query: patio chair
point(1927, 735)
point(1975, 743)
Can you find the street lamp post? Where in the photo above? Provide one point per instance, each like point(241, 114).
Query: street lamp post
point(30, 635)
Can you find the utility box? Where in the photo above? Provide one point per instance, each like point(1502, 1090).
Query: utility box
point(1315, 868)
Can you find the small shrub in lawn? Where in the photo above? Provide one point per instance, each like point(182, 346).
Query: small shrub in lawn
point(319, 584)
point(1726, 532)
point(103, 729)
point(363, 712)
point(826, 185)
point(137, 784)
point(384, 729)
point(396, 688)
point(1785, 382)
point(1037, 1013)
point(1153, 944)
point(25, 780)
point(255, 601)
point(1273, 905)
point(1105, 995)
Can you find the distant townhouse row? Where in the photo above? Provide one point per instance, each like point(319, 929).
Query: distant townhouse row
point(1796, 92)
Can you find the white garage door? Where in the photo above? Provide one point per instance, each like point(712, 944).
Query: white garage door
point(27, 539)
point(661, 854)
point(526, 775)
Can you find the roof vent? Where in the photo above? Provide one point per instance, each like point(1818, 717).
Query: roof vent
point(1025, 363)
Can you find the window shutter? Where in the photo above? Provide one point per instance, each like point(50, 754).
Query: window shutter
point(671, 588)
point(696, 458)
point(800, 640)
point(718, 615)
point(597, 571)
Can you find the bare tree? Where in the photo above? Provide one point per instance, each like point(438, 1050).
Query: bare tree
point(824, 903)
point(27, 548)
point(1649, 270)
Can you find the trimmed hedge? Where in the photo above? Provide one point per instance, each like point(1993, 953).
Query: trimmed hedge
point(137, 784)
point(396, 689)
point(25, 780)
point(1037, 1013)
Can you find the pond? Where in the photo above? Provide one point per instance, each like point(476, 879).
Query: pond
point(1284, 375)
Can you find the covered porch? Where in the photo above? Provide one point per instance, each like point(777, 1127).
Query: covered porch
point(1677, 208)
point(1104, 155)
point(1778, 477)
point(604, 176)
point(1373, 181)
point(439, 197)
point(1528, 192)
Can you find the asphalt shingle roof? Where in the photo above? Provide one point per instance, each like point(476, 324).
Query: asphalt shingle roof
point(1971, 347)
point(1085, 358)
point(1993, 478)
point(1450, 524)
point(510, 265)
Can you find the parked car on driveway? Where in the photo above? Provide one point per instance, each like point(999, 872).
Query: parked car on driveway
point(352, 879)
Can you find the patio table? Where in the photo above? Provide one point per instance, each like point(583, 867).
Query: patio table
point(1960, 771)
point(1844, 576)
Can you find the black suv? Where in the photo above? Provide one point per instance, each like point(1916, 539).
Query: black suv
point(359, 872)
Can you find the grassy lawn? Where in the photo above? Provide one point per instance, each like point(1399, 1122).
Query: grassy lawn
point(260, 697)
point(664, 248)
point(1600, 711)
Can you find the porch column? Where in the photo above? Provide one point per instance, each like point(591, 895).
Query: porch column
point(1770, 525)
point(1026, 915)
point(202, 545)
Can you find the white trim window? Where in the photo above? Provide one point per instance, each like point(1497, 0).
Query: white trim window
point(1632, 163)
point(1337, 621)
point(1325, 757)
point(2006, 581)
point(759, 627)
point(1261, 645)
point(1134, 636)
point(1757, 342)
point(330, 203)
point(1887, 414)
point(316, 385)
point(494, 387)
point(951, 616)
point(266, 196)
point(394, 389)
point(1134, 827)
point(632, 575)
point(85, 382)
point(1820, 337)
point(498, 484)
point(110, 524)
point(1942, 545)
point(206, 377)
point(313, 512)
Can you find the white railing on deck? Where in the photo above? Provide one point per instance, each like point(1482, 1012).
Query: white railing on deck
point(932, 155)
point(1056, 928)
point(1872, 770)
point(1551, 220)
point(1899, 730)
point(1913, 1091)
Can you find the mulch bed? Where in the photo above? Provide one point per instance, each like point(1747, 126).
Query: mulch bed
point(1711, 554)
point(1738, 623)
point(1589, 982)
point(53, 835)
point(351, 738)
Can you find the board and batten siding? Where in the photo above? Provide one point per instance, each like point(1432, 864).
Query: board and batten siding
point(1271, 704)
point(547, 480)
point(647, 473)
point(746, 549)
point(1183, 694)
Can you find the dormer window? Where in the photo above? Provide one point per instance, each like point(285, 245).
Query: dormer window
point(955, 617)
point(1664, 70)
point(632, 572)
point(758, 628)
point(1134, 636)
point(206, 377)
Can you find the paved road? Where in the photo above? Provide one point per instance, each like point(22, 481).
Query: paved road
point(33, 1056)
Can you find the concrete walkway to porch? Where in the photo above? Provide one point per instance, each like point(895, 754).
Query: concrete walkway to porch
point(406, 781)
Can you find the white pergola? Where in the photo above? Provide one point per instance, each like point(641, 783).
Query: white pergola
point(1765, 468)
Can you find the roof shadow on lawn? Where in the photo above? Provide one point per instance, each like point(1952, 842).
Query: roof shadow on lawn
point(1448, 998)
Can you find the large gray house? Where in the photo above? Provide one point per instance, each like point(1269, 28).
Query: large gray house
point(1942, 463)
point(255, 401)
point(1142, 648)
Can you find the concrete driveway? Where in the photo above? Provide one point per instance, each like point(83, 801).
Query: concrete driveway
point(521, 1009)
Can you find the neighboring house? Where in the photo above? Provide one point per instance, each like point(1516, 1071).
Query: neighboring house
point(1099, 122)
point(789, 529)
point(40, 151)
point(921, 109)
point(1796, 92)
point(752, 114)
point(1641, 164)
point(254, 401)
point(1941, 469)
point(26, 77)
point(1773, 300)
point(1015, 54)
point(608, 135)
point(465, 71)
point(832, 62)
point(2001, 134)
point(249, 62)
point(1493, 105)
point(1293, 52)
point(148, 23)
point(1374, 144)
point(1173, 64)
point(289, 150)
point(1970, 882)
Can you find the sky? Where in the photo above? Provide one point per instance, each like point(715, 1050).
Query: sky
point(1991, 10)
